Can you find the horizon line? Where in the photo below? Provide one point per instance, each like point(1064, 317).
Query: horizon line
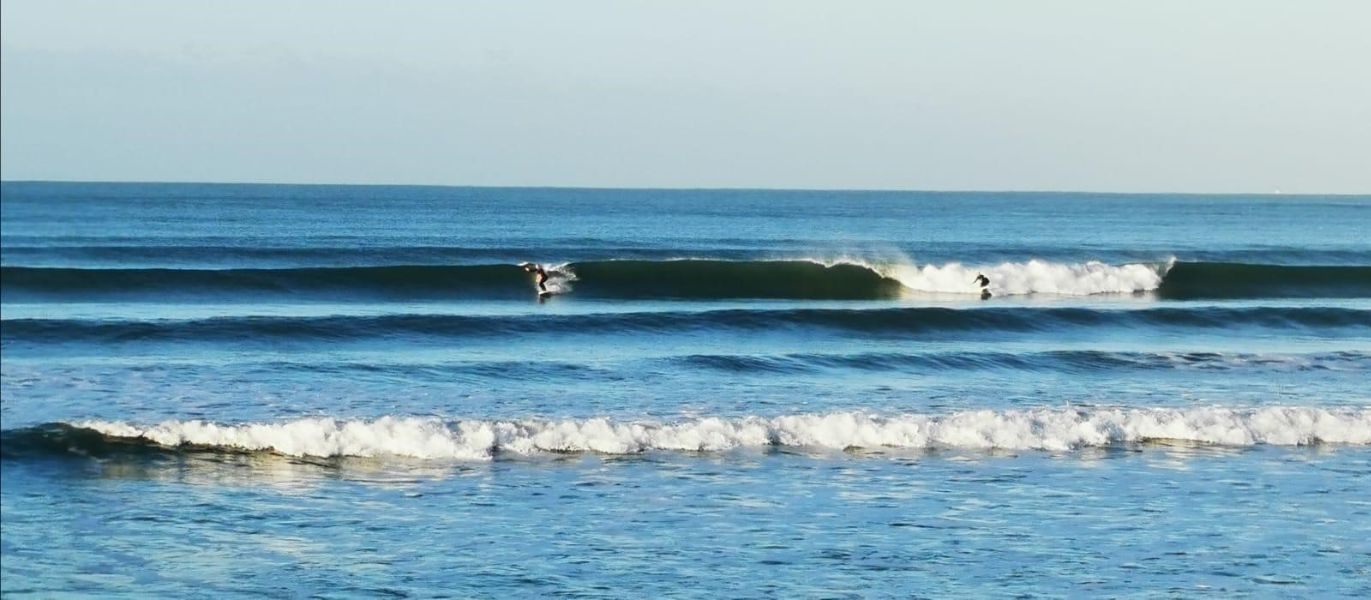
point(1276, 192)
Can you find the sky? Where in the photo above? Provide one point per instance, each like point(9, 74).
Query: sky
point(1237, 96)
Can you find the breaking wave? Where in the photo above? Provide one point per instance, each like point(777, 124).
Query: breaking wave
point(702, 279)
point(1032, 277)
point(1057, 429)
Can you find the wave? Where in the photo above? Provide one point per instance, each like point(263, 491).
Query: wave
point(339, 283)
point(1054, 429)
point(869, 323)
point(703, 279)
point(1032, 277)
point(615, 279)
point(1062, 361)
point(1232, 280)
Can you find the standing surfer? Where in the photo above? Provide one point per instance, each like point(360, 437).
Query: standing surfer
point(984, 282)
point(538, 270)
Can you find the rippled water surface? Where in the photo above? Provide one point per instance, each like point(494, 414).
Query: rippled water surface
point(355, 391)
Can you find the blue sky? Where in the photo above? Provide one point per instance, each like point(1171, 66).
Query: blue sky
point(1198, 96)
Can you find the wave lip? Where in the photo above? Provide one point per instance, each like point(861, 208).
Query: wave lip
point(1049, 429)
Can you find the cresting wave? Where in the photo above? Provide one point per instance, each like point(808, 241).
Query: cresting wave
point(1059, 429)
point(870, 323)
point(701, 279)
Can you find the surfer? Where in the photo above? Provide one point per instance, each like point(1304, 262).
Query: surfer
point(984, 282)
point(537, 269)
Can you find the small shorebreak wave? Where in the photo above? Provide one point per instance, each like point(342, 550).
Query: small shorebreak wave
point(701, 279)
point(1048, 429)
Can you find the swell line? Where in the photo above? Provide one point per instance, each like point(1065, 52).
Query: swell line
point(870, 322)
point(1059, 361)
point(699, 279)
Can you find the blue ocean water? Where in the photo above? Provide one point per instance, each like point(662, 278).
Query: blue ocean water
point(337, 391)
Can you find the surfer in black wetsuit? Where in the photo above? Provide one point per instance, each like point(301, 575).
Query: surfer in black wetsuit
point(538, 270)
point(984, 282)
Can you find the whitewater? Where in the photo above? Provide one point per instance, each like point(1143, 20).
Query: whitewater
point(1029, 277)
point(1042, 429)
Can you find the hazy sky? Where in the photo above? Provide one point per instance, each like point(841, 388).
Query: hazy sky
point(1186, 95)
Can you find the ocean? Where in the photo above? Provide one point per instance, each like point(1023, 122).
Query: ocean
point(213, 390)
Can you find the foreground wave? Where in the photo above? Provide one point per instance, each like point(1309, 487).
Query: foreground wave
point(1058, 429)
point(703, 279)
point(872, 322)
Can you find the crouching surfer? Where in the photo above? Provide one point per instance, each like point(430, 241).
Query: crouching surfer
point(539, 273)
point(984, 282)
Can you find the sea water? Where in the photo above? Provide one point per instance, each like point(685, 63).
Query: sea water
point(355, 391)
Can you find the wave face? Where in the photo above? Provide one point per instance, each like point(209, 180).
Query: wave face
point(432, 438)
point(735, 279)
point(1231, 280)
point(327, 282)
point(703, 279)
point(877, 322)
point(615, 279)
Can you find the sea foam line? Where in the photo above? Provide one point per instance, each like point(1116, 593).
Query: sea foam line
point(1055, 429)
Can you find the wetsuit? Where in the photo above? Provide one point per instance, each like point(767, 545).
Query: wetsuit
point(542, 275)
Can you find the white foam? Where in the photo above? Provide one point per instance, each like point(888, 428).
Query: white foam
point(1040, 429)
point(1017, 278)
point(559, 277)
point(1032, 277)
